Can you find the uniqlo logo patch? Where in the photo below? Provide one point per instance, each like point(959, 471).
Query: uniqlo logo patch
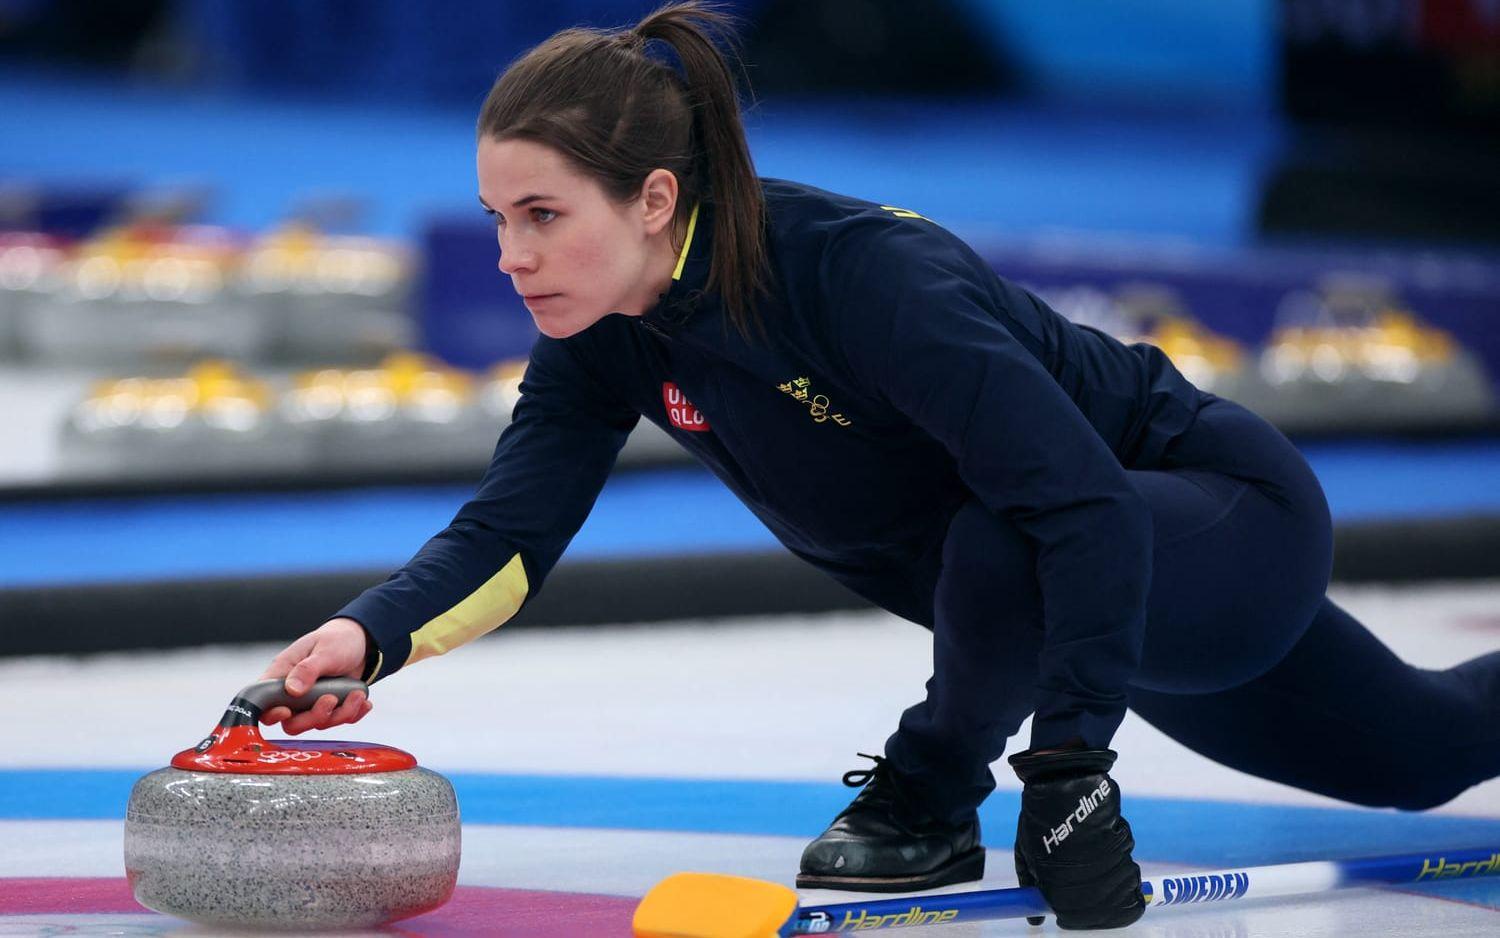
point(680, 410)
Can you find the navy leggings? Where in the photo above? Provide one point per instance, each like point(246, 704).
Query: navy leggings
point(1245, 658)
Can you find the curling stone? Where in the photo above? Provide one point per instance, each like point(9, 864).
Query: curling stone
point(290, 835)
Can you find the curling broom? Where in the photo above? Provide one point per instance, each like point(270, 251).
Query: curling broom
point(709, 905)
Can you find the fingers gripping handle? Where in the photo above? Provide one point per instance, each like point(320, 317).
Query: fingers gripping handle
point(247, 706)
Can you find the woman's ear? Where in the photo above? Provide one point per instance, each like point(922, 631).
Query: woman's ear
point(658, 200)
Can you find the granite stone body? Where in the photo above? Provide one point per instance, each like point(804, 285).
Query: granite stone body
point(292, 852)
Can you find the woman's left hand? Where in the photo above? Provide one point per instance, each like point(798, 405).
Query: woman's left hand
point(1072, 843)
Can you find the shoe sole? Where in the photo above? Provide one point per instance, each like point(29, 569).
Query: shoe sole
point(963, 868)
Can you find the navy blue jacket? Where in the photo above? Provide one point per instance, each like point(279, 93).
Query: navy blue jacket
point(900, 377)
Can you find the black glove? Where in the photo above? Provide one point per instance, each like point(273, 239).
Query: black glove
point(1072, 843)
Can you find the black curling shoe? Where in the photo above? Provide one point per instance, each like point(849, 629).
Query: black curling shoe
point(883, 843)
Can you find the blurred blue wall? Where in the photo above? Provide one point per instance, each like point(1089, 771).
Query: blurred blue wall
point(393, 50)
point(377, 99)
point(1172, 52)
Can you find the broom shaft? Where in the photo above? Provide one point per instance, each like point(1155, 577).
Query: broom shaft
point(1287, 879)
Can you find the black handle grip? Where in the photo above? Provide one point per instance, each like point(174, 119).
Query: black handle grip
point(257, 698)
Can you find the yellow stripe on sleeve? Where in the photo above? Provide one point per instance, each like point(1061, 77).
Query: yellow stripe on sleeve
point(482, 611)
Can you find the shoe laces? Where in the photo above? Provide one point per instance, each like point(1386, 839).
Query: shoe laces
point(881, 791)
point(859, 778)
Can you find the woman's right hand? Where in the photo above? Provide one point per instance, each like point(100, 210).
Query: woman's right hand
point(334, 649)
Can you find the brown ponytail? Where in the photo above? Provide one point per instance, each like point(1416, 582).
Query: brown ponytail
point(617, 112)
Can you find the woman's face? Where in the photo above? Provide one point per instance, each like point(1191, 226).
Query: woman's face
point(574, 254)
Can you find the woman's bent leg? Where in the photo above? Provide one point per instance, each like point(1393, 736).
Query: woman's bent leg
point(1237, 576)
point(986, 637)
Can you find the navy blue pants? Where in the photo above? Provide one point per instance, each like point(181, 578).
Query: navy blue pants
point(1245, 660)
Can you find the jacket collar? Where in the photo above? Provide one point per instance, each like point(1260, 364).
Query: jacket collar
point(685, 294)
